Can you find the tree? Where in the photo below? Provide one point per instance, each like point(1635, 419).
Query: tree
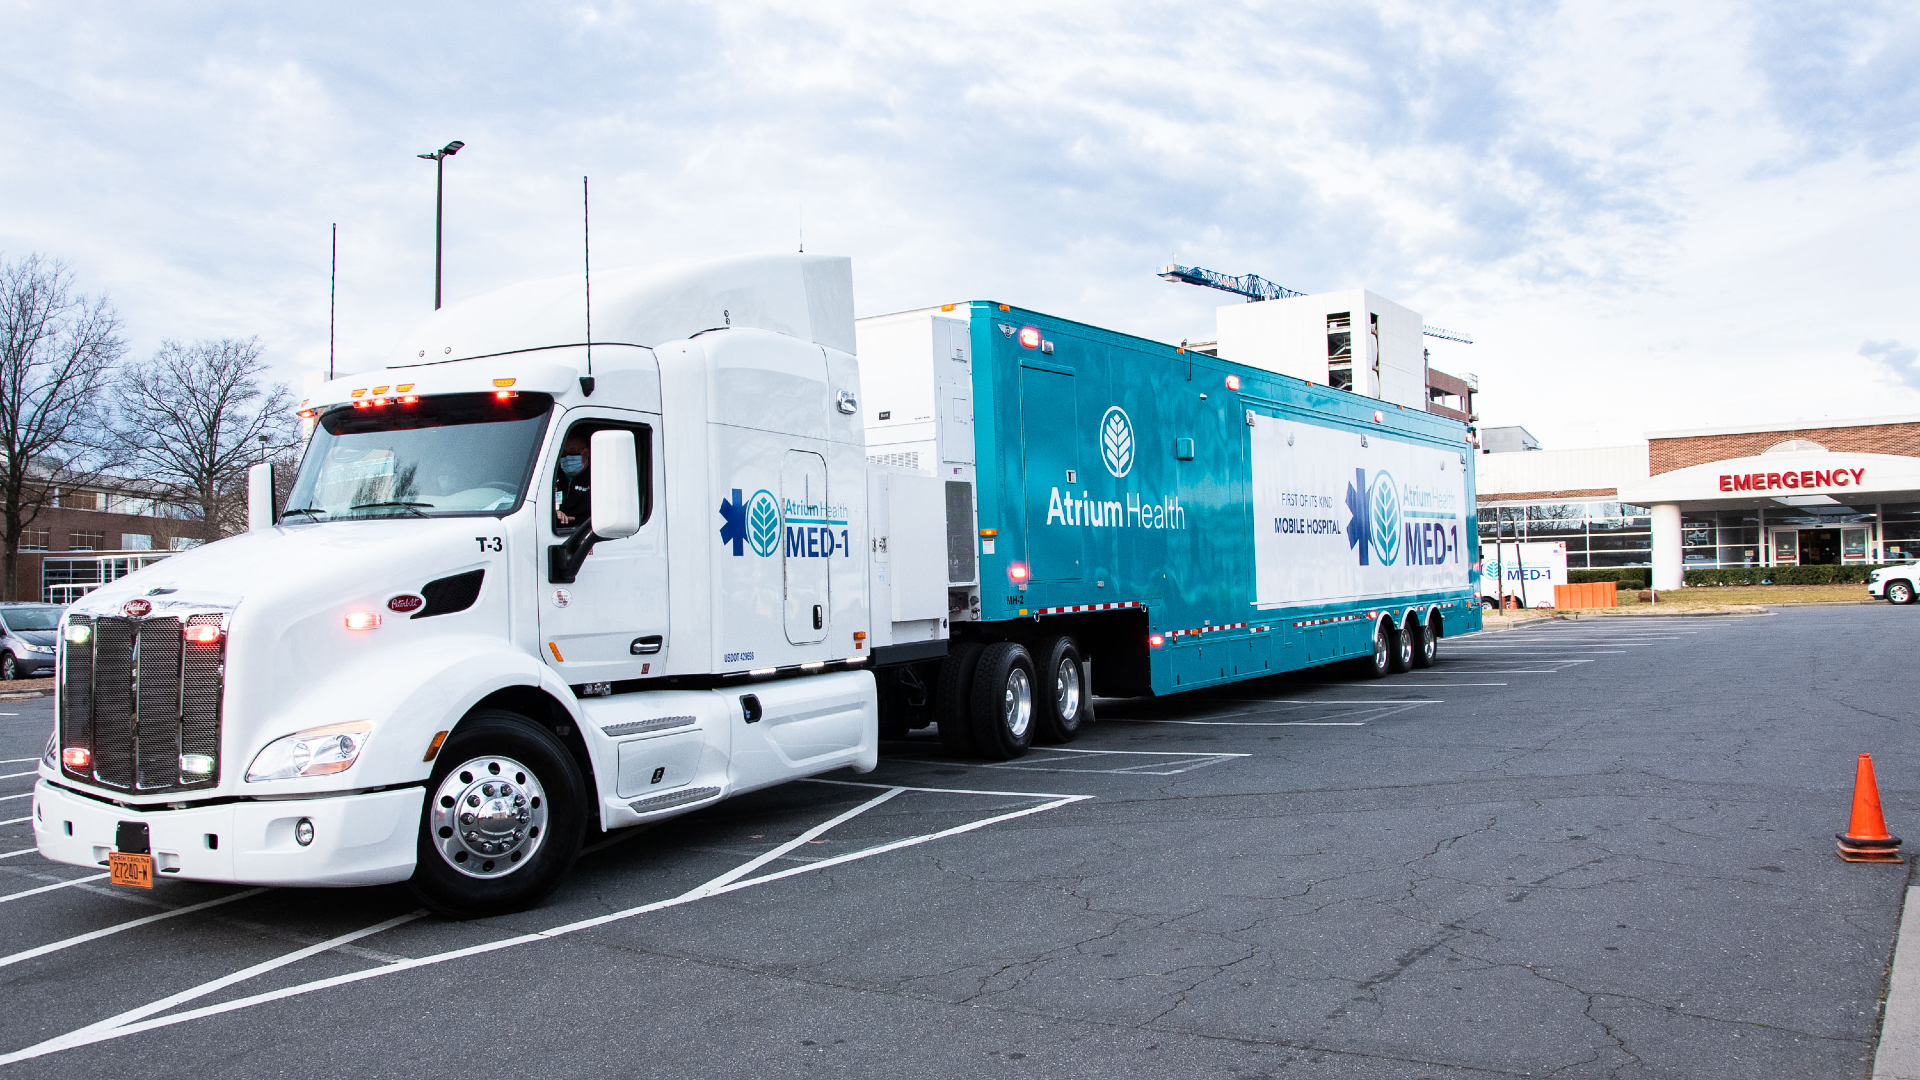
point(58, 349)
point(194, 418)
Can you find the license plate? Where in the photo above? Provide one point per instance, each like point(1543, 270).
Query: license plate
point(130, 869)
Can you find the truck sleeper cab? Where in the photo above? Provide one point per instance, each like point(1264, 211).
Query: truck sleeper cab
point(421, 670)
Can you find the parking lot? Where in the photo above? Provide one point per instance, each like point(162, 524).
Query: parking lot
point(1581, 849)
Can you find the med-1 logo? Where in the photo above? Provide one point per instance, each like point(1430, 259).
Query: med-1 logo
point(1116, 441)
point(751, 523)
point(1375, 524)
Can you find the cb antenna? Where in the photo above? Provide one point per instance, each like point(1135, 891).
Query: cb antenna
point(586, 245)
point(803, 227)
point(333, 293)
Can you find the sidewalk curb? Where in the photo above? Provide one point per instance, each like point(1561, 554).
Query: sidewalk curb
point(1898, 1055)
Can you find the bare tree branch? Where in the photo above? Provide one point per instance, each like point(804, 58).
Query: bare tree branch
point(195, 417)
point(58, 349)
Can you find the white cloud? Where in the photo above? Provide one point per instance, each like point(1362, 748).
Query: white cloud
point(1649, 216)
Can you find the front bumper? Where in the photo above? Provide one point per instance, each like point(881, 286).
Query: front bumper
point(1876, 588)
point(367, 839)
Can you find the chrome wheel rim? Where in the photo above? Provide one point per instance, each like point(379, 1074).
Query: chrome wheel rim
point(489, 817)
point(1380, 648)
point(1017, 703)
point(1066, 690)
point(1429, 645)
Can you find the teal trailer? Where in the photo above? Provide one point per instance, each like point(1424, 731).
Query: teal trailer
point(1181, 520)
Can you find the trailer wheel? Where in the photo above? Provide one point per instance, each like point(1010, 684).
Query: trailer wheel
point(1380, 664)
point(953, 698)
point(1419, 643)
point(1427, 649)
point(1401, 641)
point(1064, 702)
point(503, 819)
point(1003, 706)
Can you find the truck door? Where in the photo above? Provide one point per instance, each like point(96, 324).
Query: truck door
point(811, 540)
point(610, 622)
point(1050, 431)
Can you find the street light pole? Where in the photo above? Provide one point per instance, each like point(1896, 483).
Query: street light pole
point(439, 158)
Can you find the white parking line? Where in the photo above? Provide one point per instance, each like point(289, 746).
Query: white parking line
point(22, 795)
point(1338, 701)
point(94, 935)
point(16, 775)
point(16, 760)
point(1194, 760)
point(15, 821)
point(48, 888)
point(1421, 685)
point(142, 1019)
point(19, 852)
point(1245, 723)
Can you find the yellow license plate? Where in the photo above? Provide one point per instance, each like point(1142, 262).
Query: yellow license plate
point(130, 869)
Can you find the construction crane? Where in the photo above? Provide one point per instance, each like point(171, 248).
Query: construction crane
point(1254, 287)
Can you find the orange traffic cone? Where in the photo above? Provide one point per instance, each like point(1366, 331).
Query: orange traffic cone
point(1866, 838)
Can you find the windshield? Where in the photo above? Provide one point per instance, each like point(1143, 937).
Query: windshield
point(31, 618)
point(439, 456)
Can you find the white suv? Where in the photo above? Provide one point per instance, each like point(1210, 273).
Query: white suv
point(1896, 583)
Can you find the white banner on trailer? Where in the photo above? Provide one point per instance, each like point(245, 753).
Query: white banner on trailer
point(1532, 570)
point(1341, 516)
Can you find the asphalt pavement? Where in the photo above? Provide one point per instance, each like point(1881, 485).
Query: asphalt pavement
point(1576, 849)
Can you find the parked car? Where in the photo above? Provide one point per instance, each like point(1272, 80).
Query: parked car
point(1896, 583)
point(31, 634)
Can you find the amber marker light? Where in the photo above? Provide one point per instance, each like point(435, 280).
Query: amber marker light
point(363, 620)
point(433, 748)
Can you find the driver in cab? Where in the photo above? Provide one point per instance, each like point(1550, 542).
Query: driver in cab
point(572, 488)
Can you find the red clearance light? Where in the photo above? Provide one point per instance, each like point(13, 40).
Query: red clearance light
point(202, 633)
point(1018, 572)
point(76, 757)
point(1029, 337)
point(1155, 640)
point(409, 399)
point(363, 620)
point(1233, 382)
point(308, 414)
point(380, 402)
point(505, 395)
point(1379, 417)
point(363, 405)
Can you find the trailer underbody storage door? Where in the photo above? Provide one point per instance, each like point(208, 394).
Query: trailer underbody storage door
point(1056, 547)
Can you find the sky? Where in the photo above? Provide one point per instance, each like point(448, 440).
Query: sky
point(1648, 216)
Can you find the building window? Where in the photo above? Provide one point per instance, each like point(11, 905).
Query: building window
point(33, 539)
point(136, 542)
point(77, 500)
point(182, 543)
point(86, 541)
point(1340, 350)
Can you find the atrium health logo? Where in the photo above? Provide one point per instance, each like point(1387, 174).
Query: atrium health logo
point(1383, 500)
point(1116, 441)
point(751, 523)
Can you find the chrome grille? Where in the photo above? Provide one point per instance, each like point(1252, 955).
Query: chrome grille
point(140, 696)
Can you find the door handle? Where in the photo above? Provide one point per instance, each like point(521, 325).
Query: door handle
point(646, 646)
point(819, 617)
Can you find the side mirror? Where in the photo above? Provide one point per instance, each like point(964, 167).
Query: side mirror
point(260, 509)
point(616, 485)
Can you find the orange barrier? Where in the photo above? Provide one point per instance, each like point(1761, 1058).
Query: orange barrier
point(1591, 595)
point(1867, 838)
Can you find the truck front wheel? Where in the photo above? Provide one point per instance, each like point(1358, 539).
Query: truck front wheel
point(1064, 703)
point(1899, 592)
point(1003, 693)
point(503, 819)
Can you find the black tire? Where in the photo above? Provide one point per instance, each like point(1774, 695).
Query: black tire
point(1003, 705)
point(1898, 592)
point(1063, 703)
point(1401, 642)
point(1489, 603)
point(1420, 638)
point(1380, 664)
point(1428, 649)
point(953, 698)
point(493, 736)
point(9, 667)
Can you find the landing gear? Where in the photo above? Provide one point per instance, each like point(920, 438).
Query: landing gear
point(503, 821)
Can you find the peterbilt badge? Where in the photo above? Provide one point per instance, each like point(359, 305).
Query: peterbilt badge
point(136, 608)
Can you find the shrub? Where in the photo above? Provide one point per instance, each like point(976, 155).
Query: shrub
point(1629, 577)
point(1781, 575)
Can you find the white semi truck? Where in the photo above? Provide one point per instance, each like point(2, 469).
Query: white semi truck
point(526, 586)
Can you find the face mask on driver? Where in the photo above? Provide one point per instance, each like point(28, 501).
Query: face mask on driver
point(571, 464)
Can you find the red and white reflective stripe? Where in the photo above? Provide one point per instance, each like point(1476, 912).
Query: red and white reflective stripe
point(1333, 619)
point(1087, 607)
point(1207, 630)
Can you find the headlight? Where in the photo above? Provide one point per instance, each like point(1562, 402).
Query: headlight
point(313, 752)
point(39, 648)
point(79, 633)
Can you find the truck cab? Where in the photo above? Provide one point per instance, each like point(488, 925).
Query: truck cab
point(525, 585)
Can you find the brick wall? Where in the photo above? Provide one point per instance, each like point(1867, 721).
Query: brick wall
point(1666, 455)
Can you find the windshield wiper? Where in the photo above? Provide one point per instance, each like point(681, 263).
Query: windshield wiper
point(398, 503)
point(302, 510)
